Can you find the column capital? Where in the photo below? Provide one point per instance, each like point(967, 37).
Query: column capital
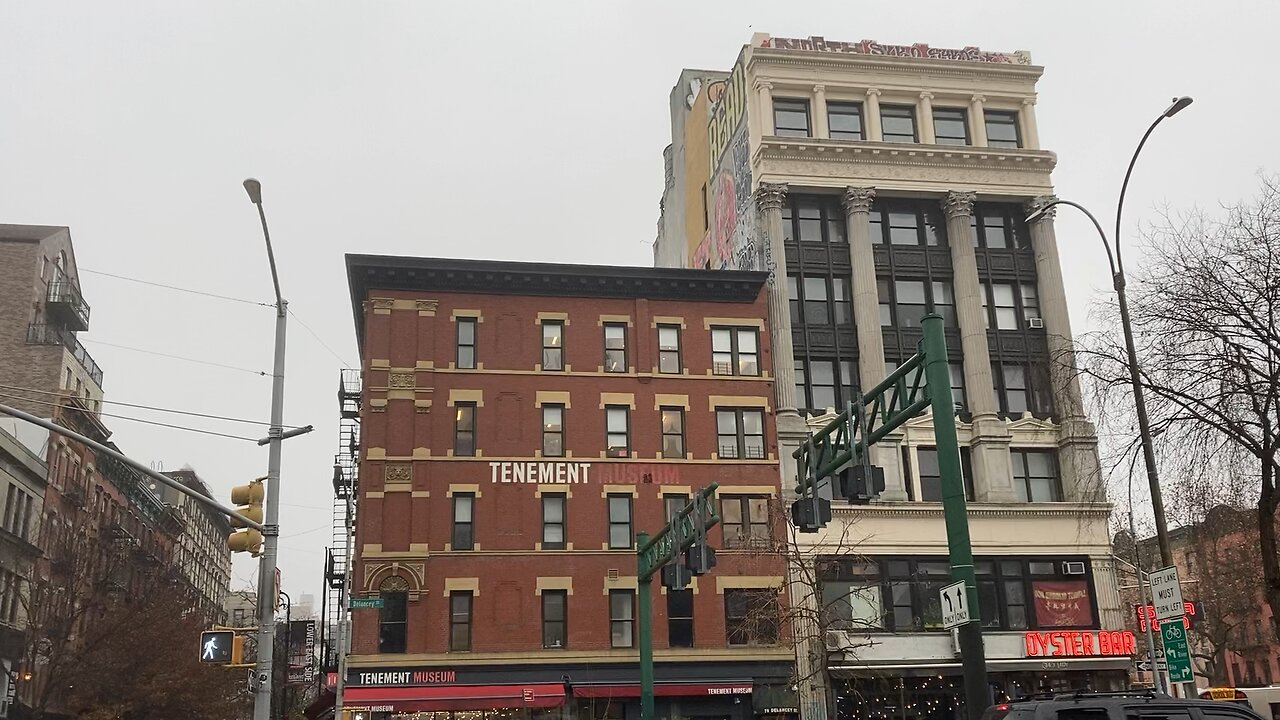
point(770, 196)
point(1038, 202)
point(1028, 101)
point(873, 92)
point(978, 98)
point(959, 203)
point(858, 199)
point(819, 89)
point(763, 85)
point(926, 95)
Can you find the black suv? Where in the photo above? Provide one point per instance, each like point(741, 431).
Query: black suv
point(1125, 705)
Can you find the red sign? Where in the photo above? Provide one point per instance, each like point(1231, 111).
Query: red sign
point(1079, 643)
point(1190, 615)
point(1062, 603)
point(528, 695)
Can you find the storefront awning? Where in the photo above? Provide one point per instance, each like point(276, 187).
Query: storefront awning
point(663, 689)
point(456, 697)
point(1002, 665)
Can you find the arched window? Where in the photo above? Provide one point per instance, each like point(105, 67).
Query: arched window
point(392, 617)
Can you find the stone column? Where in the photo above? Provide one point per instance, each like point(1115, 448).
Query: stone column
point(993, 476)
point(1030, 136)
point(925, 112)
point(765, 90)
point(866, 318)
point(1077, 456)
point(818, 112)
point(871, 116)
point(769, 198)
point(977, 121)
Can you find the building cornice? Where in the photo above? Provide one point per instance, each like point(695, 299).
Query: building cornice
point(887, 64)
point(911, 509)
point(842, 151)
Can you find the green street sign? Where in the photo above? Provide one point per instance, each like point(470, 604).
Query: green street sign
point(374, 602)
point(1173, 634)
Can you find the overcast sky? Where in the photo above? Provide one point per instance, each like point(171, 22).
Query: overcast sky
point(518, 131)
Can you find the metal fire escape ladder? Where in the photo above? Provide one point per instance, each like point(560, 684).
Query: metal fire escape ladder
point(345, 471)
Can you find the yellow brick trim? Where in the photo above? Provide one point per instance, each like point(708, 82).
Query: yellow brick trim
point(374, 494)
point(661, 400)
point(737, 401)
point(748, 582)
point(614, 319)
point(372, 548)
point(657, 320)
point(677, 490)
point(472, 488)
point(380, 364)
point(554, 489)
point(420, 494)
point(607, 490)
point(463, 313)
point(376, 453)
point(421, 403)
point(424, 365)
point(708, 323)
point(462, 584)
point(555, 583)
point(418, 548)
point(475, 396)
point(398, 487)
point(610, 398)
point(401, 394)
point(770, 490)
point(381, 306)
point(561, 316)
point(624, 582)
point(421, 453)
point(551, 397)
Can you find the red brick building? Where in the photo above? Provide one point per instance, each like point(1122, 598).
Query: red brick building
point(520, 424)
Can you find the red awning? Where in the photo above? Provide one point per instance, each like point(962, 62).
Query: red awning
point(663, 689)
point(456, 697)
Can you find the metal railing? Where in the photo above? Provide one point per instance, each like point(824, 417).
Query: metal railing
point(63, 290)
point(46, 334)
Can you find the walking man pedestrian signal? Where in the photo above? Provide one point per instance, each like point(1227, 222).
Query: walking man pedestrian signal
point(215, 646)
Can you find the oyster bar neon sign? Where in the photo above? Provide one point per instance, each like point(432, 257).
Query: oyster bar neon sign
point(1079, 643)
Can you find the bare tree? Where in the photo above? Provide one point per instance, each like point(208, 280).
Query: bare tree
point(1206, 312)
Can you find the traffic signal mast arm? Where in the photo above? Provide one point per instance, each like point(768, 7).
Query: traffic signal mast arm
point(666, 545)
point(158, 477)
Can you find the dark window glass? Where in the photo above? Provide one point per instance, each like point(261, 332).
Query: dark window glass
point(617, 430)
point(956, 370)
point(739, 434)
point(999, 226)
point(790, 117)
point(464, 429)
point(843, 301)
point(950, 127)
point(672, 504)
point(817, 310)
point(392, 621)
point(555, 618)
point(1002, 308)
point(680, 618)
point(673, 432)
point(751, 616)
point(466, 343)
point(1030, 304)
point(553, 514)
point(844, 120)
point(904, 303)
point(552, 430)
point(615, 347)
point(669, 349)
point(620, 537)
point(463, 521)
point(931, 474)
point(460, 620)
point(734, 351)
point(808, 220)
point(622, 618)
point(745, 519)
point(898, 123)
point(1002, 128)
point(552, 345)
point(1011, 390)
point(1035, 476)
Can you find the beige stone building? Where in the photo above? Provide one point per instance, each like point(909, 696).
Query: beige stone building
point(879, 183)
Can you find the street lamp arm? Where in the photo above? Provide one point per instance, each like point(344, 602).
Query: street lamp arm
point(1178, 104)
point(1111, 260)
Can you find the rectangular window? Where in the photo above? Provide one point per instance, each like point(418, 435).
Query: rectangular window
point(956, 370)
point(553, 507)
point(1035, 476)
point(1030, 304)
point(950, 126)
point(790, 117)
point(898, 123)
point(672, 505)
point(680, 618)
point(622, 618)
point(673, 433)
point(555, 618)
point(751, 616)
point(1002, 128)
point(844, 119)
point(669, 349)
point(1005, 309)
point(740, 434)
point(745, 521)
point(931, 474)
point(615, 347)
point(466, 359)
point(464, 429)
point(1011, 390)
point(620, 537)
point(910, 305)
point(552, 345)
point(617, 430)
point(552, 430)
point(463, 521)
point(734, 351)
point(460, 621)
point(817, 309)
point(393, 621)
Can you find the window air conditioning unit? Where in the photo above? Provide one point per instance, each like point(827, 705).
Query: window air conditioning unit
point(1073, 568)
point(1036, 323)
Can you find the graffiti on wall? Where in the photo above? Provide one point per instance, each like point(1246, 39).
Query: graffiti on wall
point(730, 242)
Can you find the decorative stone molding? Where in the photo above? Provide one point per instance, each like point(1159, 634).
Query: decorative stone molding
point(858, 199)
point(1040, 201)
point(1028, 102)
point(398, 473)
point(770, 196)
point(428, 306)
point(763, 85)
point(978, 98)
point(395, 576)
point(959, 203)
point(382, 304)
point(873, 92)
point(402, 380)
point(926, 95)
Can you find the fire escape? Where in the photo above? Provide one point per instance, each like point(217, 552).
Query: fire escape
point(345, 470)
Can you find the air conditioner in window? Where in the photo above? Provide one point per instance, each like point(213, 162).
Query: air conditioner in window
point(1074, 567)
point(1036, 322)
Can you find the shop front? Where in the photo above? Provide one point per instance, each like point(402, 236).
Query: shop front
point(603, 691)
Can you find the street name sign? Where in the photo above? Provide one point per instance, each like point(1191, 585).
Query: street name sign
point(373, 602)
point(1166, 593)
point(1145, 666)
point(1176, 653)
point(955, 608)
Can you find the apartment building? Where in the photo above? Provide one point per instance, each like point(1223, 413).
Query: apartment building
point(521, 424)
point(876, 183)
point(22, 480)
point(201, 553)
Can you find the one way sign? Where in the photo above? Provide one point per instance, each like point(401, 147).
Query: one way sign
point(955, 607)
point(1145, 666)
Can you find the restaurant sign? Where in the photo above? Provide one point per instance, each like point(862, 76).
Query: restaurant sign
point(1079, 643)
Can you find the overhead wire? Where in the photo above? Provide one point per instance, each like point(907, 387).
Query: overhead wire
point(151, 407)
point(133, 419)
point(176, 288)
point(180, 357)
point(323, 344)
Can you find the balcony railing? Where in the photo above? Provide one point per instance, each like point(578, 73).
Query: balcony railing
point(65, 302)
point(46, 334)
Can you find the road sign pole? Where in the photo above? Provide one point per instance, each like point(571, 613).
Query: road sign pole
point(644, 589)
point(973, 661)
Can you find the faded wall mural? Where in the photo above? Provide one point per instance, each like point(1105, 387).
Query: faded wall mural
point(730, 242)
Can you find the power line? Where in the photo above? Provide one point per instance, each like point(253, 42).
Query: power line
point(134, 419)
point(180, 357)
point(177, 289)
point(307, 327)
point(150, 407)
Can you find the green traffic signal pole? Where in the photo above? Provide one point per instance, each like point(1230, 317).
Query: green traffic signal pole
point(644, 604)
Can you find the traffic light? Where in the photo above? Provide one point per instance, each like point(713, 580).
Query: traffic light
point(237, 649)
point(701, 558)
point(248, 499)
point(676, 575)
point(216, 646)
point(810, 514)
point(860, 483)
